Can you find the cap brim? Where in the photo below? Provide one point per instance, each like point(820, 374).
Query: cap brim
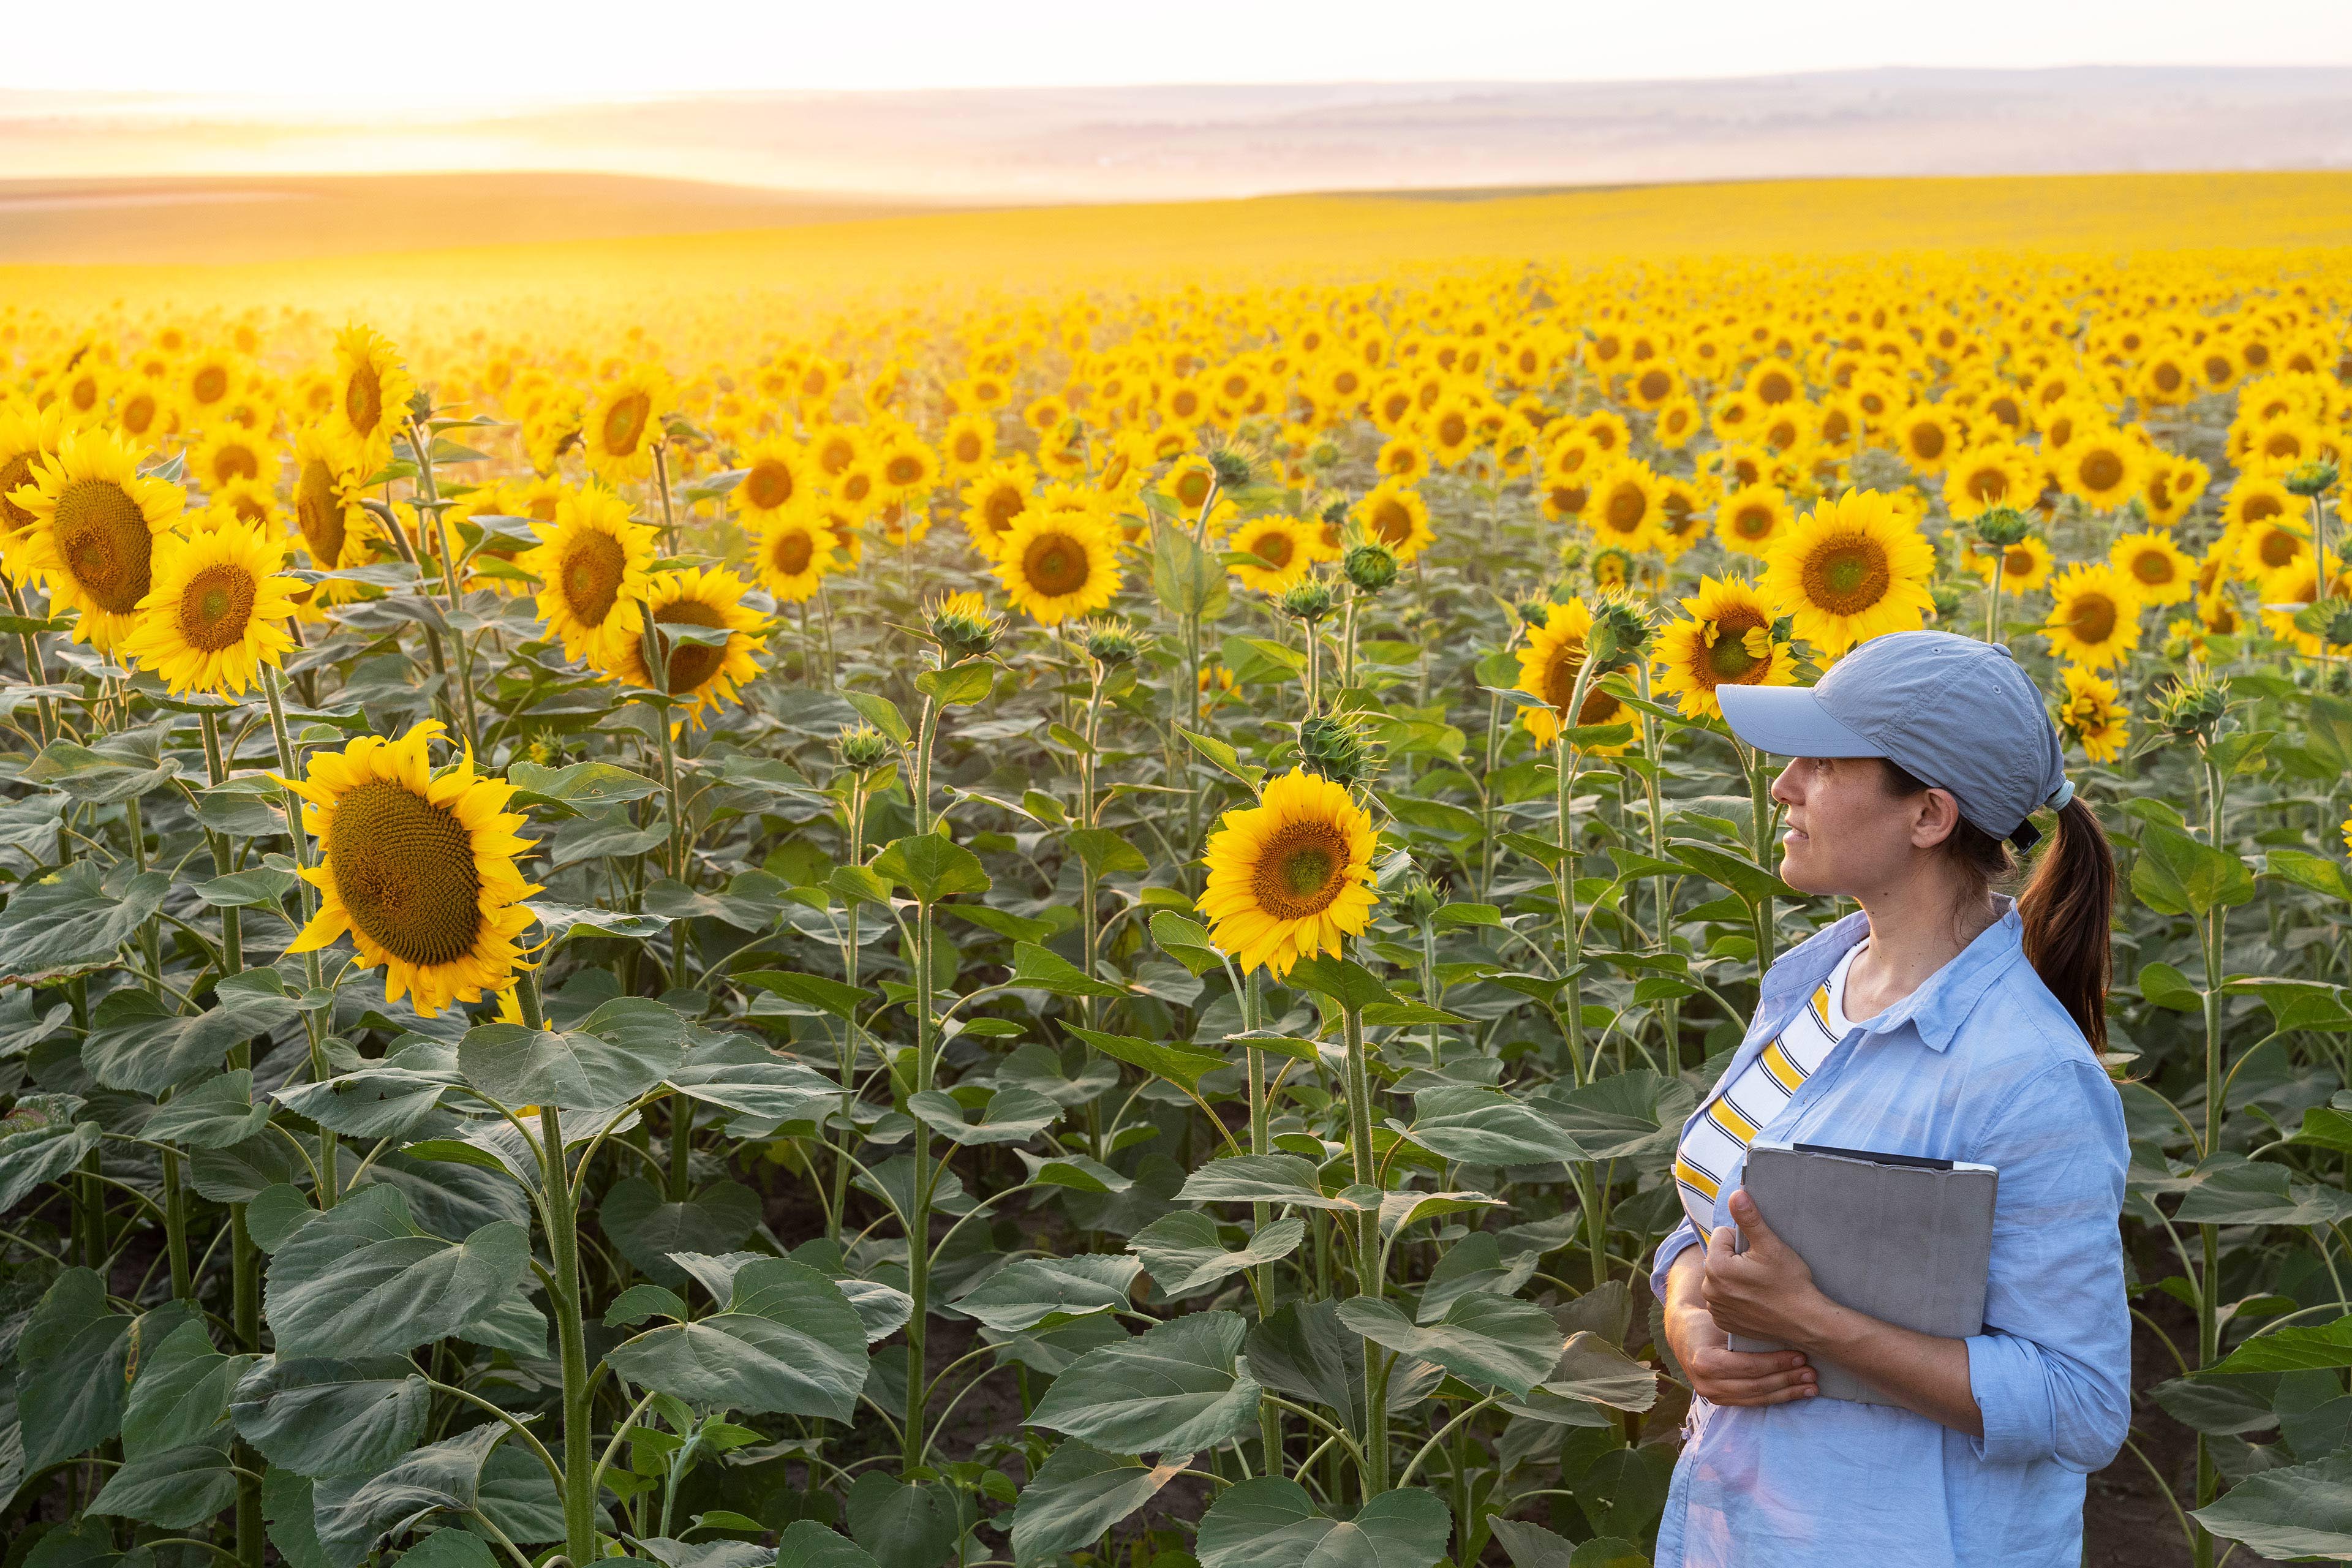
point(1788, 722)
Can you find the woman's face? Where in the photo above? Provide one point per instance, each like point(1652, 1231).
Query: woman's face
point(1848, 834)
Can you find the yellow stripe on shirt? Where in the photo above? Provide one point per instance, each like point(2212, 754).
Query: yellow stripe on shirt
point(1732, 1121)
point(1785, 1073)
point(1690, 1175)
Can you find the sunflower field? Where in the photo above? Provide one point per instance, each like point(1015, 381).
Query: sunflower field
point(1074, 926)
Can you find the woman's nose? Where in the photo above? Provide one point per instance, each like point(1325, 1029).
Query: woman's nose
point(1784, 788)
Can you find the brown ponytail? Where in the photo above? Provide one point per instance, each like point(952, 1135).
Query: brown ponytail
point(2067, 903)
point(2067, 906)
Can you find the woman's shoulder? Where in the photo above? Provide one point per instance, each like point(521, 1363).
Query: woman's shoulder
point(2017, 1045)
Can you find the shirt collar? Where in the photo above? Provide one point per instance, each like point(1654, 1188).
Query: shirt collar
point(1938, 1006)
point(1948, 996)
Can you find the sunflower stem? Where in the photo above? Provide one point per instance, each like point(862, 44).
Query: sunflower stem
point(430, 500)
point(918, 1223)
point(37, 668)
point(563, 1295)
point(272, 688)
point(661, 485)
point(1368, 1259)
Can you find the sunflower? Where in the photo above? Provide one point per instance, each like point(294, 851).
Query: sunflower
point(995, 501)
point(1189, 484)
point(92, 537)
point(776, 481)
point(1751, 518)
point(418, 869)
point(2256, 499)
point(1291, 876)
point(214, 611)
point(1057, 565)
point(1678, 525)
point(623, 420)
point(142, 409)
point(1548, 663)
point(1678, 421)
point(708, 675)
point(592, 564)
point(969, 444)
point(1624, 506)
point(1393, 514)
point(28, 435)
point(1401, 458)
point(335, 528)
point(373, 392)
point(1927, 437)
point(1287, 547)
point(795, 553)
point(2092, 715)
point(229, 455)
point(1726, 641)
point(2024, 565)
point(2172, 486)
point(1851, 570)
point(2162, 571)
point(2093, 615)
point(1452, 428)
point(2102, 466)
point(2285, 592)
point(1990, 474)
point(906, 469)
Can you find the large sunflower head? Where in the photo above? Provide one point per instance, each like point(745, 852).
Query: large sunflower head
point(2172, 486)
point(230, 454)
point(1728, 640)
point(216, 609)
point(92, 538)
point(995, 501)
point(1282, 550)
point(776, 481)
point(906, 469)
point(1851, 570)
point(2091, 714)
point(1394, 514)
point(622, 421)
point(795, 552)
point(592, 564)
point(2102, 466)
point(1060, 564)
point(1751, 518)
point(2093, 615)
point(709, 674)
point(417, 870)
point(1987, 475)
point(1929, 436)
point(1291, 876)
point(336, 529)
point(2161, 572)
point(372, 390)
point(28, 435)
point(1550, 661)
point(1624, 507)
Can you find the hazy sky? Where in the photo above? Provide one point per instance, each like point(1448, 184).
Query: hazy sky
point(495, 52)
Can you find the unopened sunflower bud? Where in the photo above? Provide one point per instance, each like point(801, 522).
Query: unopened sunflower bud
point(2192, 707)
point(1534, 614)
point(420, 404)
point(1621, 632)
point(1112, 642)
point(2002, 526)
point(1334, 746)
point(1571, 555)
point(1233, 466)
point(1324, 454)
point(1418, 899)
point(861, 747)
point(1335, 512)
point(1310, 601)
point(1370, 567)
point(1947, 600)
point(963, 627)
point(2329, 620)
point(2315, 477)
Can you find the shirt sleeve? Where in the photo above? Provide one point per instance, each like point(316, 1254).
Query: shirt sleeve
point(1679, 1240)
point(2051, 1372)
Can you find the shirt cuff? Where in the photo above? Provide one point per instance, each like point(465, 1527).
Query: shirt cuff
point(2012, 1395)
point(1678, 1240)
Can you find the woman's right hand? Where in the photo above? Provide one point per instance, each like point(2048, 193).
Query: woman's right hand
point(1716, 1372)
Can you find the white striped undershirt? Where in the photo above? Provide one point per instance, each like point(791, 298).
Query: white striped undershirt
point(1740, 1108)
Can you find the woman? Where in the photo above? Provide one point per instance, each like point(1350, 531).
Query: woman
point(1942, 1019)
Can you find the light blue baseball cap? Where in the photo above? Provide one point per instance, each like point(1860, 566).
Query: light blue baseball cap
point(1953, 712)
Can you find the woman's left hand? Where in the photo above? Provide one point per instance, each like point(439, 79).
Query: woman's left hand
point(1765, 1292)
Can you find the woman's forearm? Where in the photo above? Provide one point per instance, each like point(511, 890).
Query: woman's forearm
point(1927, 1372)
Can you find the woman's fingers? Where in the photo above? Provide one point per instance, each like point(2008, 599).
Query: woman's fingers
point(1746, 1377)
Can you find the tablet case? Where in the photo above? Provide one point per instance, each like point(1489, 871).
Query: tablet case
point(1905, 1239)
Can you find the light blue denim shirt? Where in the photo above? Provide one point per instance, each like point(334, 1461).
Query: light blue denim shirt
point(1981, 1063)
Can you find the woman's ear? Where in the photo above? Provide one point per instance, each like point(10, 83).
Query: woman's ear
point(1936, 816)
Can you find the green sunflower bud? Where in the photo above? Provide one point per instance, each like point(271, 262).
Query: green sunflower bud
point(1947, 600)
point(2315, 477)
point(1112, 642)
point(2329, 620)
point(1621, 632)
point(1370, 567)
point(1334, 746)
point(2002, 526)
point(2192, 707)
point(1310, 601)
point(1418, 899)
point(861, 747)
point(1235, 467)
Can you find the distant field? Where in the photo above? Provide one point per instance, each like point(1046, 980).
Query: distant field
point(813, 254)
point(231, 219)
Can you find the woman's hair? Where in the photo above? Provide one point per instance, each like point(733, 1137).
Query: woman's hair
point(2066, 905)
